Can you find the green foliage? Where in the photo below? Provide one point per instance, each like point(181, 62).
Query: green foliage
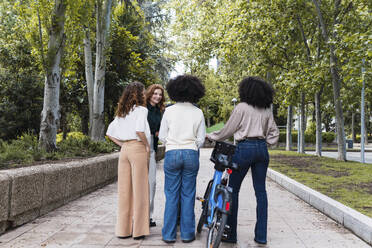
point(265, 38)
point(24, 150)
point(136, 52)
point(73, 135)
point(327, 137)
point(21, 85)
point(358, 137)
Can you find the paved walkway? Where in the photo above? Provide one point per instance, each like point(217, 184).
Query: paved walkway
point(351, 156)
point(89, 222)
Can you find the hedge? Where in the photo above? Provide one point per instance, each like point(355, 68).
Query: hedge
point(327, 137)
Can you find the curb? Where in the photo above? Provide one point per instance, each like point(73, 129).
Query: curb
point(359, 224)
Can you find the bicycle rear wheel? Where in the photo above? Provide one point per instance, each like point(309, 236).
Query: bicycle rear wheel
point(216, 231)
point(203, 216)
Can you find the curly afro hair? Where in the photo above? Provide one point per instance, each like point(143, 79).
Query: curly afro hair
point(185, 88)
point(256, 92)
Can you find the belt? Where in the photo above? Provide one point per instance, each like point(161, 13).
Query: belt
point(126, 141)
point(249, 138)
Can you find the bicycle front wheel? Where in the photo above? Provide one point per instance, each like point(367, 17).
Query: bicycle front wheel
point(216, 231)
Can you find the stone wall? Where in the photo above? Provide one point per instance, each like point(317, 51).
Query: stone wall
point(29, 192)
point(26, 193)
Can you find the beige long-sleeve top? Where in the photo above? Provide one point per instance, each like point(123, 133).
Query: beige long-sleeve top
point(182, 127)
point(247, 121)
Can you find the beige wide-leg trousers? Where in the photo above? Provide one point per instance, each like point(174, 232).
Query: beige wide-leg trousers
point(152, 176)
point(133, 191)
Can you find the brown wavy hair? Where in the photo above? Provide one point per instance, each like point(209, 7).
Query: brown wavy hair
point(150, 91)
point(132, 96)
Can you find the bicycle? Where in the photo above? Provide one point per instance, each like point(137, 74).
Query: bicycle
point(216, 203)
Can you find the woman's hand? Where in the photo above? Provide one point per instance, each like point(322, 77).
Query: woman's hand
point(207, 137)
point(143, 138)
point(116, 141)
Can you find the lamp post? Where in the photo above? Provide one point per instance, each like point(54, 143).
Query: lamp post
point(234, 100)
point(362, 131)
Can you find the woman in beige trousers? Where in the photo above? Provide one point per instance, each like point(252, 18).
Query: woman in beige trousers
point(130, 130)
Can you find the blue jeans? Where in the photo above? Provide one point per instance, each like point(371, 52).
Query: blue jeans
point(181, 168)
point(250, 154)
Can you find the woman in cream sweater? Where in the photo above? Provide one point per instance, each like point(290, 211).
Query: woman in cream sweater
point(182, 129)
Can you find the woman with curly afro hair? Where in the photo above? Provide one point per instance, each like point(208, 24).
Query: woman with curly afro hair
point(182, 130)
point(252, 125)
point(130, 130)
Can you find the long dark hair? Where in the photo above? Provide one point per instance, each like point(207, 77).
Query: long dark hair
point(132, 95)
point(256, 92)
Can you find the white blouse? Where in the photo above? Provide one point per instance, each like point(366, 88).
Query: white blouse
point(125, 128)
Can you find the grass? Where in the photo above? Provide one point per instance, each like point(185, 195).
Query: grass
point(215, 127)
point(347, 182)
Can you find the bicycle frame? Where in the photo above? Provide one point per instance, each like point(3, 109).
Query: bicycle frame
point(219, 197)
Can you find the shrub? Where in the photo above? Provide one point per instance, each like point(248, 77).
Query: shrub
point(76, 135)
point(283, 136)
point(327, 137)
point(25, 149)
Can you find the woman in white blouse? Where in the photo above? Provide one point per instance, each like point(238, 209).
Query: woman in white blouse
point(182, 129)
point(130, 130)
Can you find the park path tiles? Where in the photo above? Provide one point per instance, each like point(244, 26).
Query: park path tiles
point(89, 222)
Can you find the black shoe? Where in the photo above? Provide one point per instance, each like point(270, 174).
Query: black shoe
point(124, 237)
point(152, 223)
point(259, 242)
point(169, 241)
point(226, 240)
point(188, 240)
point(139, 237)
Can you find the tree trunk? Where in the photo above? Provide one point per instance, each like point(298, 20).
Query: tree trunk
point(288, 141)
point(103, 24)
point(302, 124)
point(335, 81)
point(318, 119)
point(353, 134)
point(89, 74)
point(207, 117)
point(50, 115)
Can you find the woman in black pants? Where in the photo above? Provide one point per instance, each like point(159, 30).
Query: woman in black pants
point(253, 127)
